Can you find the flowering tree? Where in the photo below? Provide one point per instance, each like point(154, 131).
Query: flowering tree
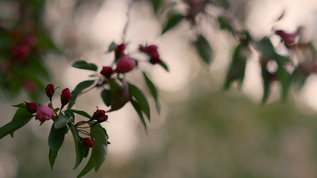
point(28, 39)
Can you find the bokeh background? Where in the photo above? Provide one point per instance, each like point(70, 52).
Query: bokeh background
point(201, 131)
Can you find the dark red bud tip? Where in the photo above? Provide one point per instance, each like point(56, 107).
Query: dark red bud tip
point(65, 96)
point(107, 71)
point(88, 142)
point(105, 118)
point(125, 64)
point(50, 90)
point(155, 60)
point(108, 143)
point(119, 50)
point(99, 114)
point(31, 107)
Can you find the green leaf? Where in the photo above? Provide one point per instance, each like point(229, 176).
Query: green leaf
point(204, 49)
point(81, 149)
point(172, 21)
point(141, 99)
point(137, 108)
point(55, 141)
point(112, 46)
point(56, 137)
point(153, 91)
point(224, 3)
point(106, 97)
point(20, 118)
point(89, 166)
point(99, 151)
point(52, 157)
point(21, 105)
point(224, 25)
point(156, 5)
point(78, 89)
point(266, 83)
point(285, 79)
point(82, 113)
point(120, 97)
point(164, 65)
point(266, 49)
point(237, 67)
point(84, 65)
point(62, 121)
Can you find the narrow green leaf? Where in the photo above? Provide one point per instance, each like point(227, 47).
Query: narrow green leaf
point(84, 65)
point(266, 83)
point(112, 46)
point(237, 67)
point(172, 21)
point(266, 49)
point(78, 89)
point(204, 49)
point(52, 157)
point(20, 118)
point(106, 97)
point(141, 99)
point(56, 138)
point(21, 105)
point(80, 112)
point(89, 166)
point(137, 108)
point(153, 91)
point(120, 97)
point(224, 25)
point(285, 79)
point(164, 66)
point(61, 121)
point(99, 151)
point(156, 5)
point(81, 149)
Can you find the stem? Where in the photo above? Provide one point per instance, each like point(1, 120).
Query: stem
point(128, 21)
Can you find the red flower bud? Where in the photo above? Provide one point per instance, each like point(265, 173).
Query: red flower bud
point(108, 143)
point(50, 90)
point(150, 50)
point(98, 114)
point(107, 71)
point(31, 107)
point(125, 64)
point(44, 113)
point(104, 118)
point(119, 50)
point(88, 142)
point(288, 38)
point(65, 96)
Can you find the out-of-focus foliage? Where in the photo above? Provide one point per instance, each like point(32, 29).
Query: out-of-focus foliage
point(24, 41)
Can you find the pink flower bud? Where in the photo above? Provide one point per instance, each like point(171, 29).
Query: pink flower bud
point(119, 50)
point(44, 113)
point(107, 71)
point(50, 90)
point(65, 96)
point(150, 50)
point(31, 107)
point(125, 64)
point(88, 142)
point(98, 114)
